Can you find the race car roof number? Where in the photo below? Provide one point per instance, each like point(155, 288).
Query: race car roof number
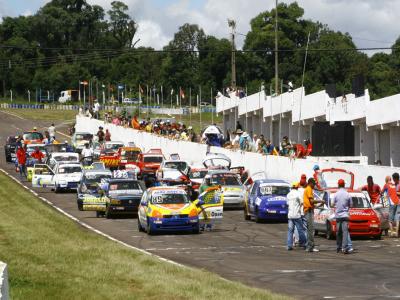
point(266, 190)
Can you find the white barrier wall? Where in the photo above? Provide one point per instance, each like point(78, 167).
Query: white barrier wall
point(3, 282)
point(274, 166)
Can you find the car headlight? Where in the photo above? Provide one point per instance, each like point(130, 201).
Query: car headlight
point(115, 201)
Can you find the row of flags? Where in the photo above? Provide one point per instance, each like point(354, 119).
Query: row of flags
point(141, 91)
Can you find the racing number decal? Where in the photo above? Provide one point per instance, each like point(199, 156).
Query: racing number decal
point(266, 190)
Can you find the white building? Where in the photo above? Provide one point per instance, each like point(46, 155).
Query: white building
point(355, 127)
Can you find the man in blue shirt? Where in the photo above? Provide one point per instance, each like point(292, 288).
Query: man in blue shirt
point(342, 201)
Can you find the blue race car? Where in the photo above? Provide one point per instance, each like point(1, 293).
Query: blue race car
point(266, 200)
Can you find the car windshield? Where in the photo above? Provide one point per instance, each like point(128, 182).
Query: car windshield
point(153, 159)
point(179, 165)
point(328, 179)
point(225, 179)
point(198, 174)
point(131, 155)
point(69, 170)
point(217, 162)
point(274, 190)
point(169, 198)
point(32, 136)
point(94, 178)
point(83, 136)
point(113, 146)
point(359, 201)
point(118, 187)
point(65, 158)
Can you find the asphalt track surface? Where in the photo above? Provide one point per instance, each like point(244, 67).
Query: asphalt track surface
point(254, 254)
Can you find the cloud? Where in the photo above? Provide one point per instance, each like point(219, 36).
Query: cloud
point(371, 23)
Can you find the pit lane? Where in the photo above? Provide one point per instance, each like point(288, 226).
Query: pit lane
point(251, 253)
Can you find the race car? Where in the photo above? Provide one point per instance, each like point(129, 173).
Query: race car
point(363, 220)
point(167, 209)
point(234, 191)
point(109, 155)
point(89, 195)
point(10, 148)
point(123, 196)
point(172, 169)
point(32, 137)
point(128, 156)
point(79, 139)
point(267, 200)
point(65, 176)
point(148, 164)
point(217, 161)
point(196, 175)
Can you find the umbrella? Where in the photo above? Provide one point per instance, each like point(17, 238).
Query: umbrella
point(212, 130)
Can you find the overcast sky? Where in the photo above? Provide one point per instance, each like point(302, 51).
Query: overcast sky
point(371, 23)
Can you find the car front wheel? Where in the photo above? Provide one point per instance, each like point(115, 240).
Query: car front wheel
point(329, 232)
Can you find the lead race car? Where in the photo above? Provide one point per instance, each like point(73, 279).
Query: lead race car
point(164, 209)
point(363, 220)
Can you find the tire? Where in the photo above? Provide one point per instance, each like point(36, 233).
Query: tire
point(80, 206)
point(256, 217)
point(99, 214)
point(57, 189)
point(148, 228)
point(379, 236)
point(140, 227)
point(108, 214)
point(316, 232)
point(329, 233)
point(196, 230)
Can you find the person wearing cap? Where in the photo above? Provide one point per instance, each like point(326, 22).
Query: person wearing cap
point(295, 207)
point(303, 180)
point(309, 204)
point(35, 129)
point(342, 203)
point(320, 179)
point(21, 160)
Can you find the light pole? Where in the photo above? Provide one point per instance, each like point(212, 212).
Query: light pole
point(232, 24)
point(276, 48)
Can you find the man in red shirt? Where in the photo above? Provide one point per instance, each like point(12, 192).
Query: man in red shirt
point(374, 191)
point(390, 190)
point(21, 159)
point(38, 155)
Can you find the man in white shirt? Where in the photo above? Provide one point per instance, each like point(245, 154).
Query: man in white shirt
point(295, 207)
point(87, 152)
point(52, 132)
point(96, 109)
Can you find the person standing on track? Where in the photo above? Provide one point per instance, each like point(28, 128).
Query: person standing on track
point(342, 202)
point(309, 203)
point(100, 135)
point(52, 132)
point(107, 136)
point(390, 190)
point(38, 155)
point(374, 191)
point(295, 207)
point(21, 158)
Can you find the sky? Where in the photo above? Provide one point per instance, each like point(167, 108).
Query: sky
point(371, 23)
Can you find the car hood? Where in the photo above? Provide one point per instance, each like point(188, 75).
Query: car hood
point(273, 198)
point(232, 189)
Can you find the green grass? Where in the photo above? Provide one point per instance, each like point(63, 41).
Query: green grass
point(52, 257)
point(43, 115)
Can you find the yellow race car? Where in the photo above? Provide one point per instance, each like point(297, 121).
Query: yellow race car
point(164, 209)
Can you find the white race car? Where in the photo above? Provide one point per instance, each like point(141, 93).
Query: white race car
point(64, 176)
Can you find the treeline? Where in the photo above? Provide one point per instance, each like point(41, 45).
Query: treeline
point(71, 40)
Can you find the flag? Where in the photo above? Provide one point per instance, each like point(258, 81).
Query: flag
point(103, 86)
point(181, 93)
point(172, 92)
point(120, 87)
point(84, 82)
point(140, 90)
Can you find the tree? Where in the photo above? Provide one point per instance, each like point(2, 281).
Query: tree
point(122, 26)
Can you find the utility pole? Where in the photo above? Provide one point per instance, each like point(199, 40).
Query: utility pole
point(232, 25)
point(276, 49)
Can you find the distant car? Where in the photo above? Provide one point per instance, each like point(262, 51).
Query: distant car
point(196, 175)
point(32, 137)
point(267, 200)
point(79, 139)
point(123, 196)
point(172, 170)
point(89, 195)
point(109, 155)
point(10, 148)
point(167, 209)
point(234, 191)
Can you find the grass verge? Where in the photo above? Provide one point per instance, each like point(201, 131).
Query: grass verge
point(52, 257)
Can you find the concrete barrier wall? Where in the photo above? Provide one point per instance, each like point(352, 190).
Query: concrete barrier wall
point(4, 295)
point(274, 166)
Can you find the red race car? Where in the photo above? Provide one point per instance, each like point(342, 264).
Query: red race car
point(364, 220)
